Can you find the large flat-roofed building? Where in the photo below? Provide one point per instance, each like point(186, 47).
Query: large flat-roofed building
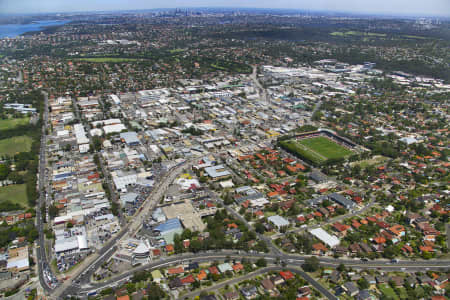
point(217, 172)
point(130, 138)
point(72, 244)
point(18, 259)
point(185, 212)
point(325, 237)
point(278, 221)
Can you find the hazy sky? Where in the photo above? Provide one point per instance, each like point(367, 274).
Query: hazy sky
point(397, 7)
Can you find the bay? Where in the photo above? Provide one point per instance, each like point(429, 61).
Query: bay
point(14, 30)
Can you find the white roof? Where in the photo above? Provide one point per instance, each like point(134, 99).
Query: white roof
point(123, 181)
point(82, 242)
point(259, 202)
point(114, 128)
point(66, 244)
point(18, 263)
point(142, 248)
point(80, 134)
point(278, 221)
point(217, 171)
point(326, 238)
point(96, 132)
point(84, 148)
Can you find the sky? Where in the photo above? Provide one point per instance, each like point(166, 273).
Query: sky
point(392, 7)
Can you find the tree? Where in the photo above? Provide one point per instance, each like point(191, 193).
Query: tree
point(52, 211)
point(4, 171)
point(341, 268)
point(363, 284)
point(261, 262)
point(259, 228)
point(96, 143)
point(311, 264)
point(16, 177)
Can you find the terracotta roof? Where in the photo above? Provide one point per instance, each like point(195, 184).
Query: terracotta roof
point(202, 275)
point(174, 271)
point(286, 275)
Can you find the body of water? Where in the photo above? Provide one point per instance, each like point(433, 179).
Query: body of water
point(13, 30)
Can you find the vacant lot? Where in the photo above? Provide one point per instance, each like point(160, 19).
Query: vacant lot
point(15, 144)
point(317, 150)
point(14, 193)
point(12, 123)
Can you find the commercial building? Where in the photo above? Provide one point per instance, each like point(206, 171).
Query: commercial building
point(186, 213)
point(217, 172)
point(130, 138)
point(330, 240)
point(278, 221)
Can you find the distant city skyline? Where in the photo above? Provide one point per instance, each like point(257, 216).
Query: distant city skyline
point(391, 7)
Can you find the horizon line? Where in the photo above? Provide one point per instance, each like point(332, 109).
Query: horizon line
point(341, 12)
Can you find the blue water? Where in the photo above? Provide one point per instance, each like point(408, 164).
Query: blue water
point(13, 30)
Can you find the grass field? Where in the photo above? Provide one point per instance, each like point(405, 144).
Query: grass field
point(15, 193)
point(107, 59)
point(15, 144)
point(357, 33)
point(374, 161)
point(12, 123)
point(388, 291)
point(317, 150)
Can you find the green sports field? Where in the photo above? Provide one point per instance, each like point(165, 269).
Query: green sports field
point(16, 193)
point(317, 150)
point(15, 144)
point(107, 59)
point(12, 123)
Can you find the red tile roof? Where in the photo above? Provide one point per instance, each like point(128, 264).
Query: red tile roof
point(286, 275)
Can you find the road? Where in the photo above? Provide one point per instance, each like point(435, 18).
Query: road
point(40, 249)
point(261, 271)
point(447, 230)
point(289, 260)
point(261, 90)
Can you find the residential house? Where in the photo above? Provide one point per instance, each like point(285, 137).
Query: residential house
point(234, 295)
point(350, 288)
point(249, 292)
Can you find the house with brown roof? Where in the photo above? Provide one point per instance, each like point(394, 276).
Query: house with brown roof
point(213, 270)
point(234, 295)
point(268, 285)
point(319, 249)
point(341, 229)
point(175, 271)
point(188, 279)
point(238, 267)
point(202, 275)
point(397, 230)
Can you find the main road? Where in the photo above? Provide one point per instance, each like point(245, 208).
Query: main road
point(288, 260)
point(40, 248)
